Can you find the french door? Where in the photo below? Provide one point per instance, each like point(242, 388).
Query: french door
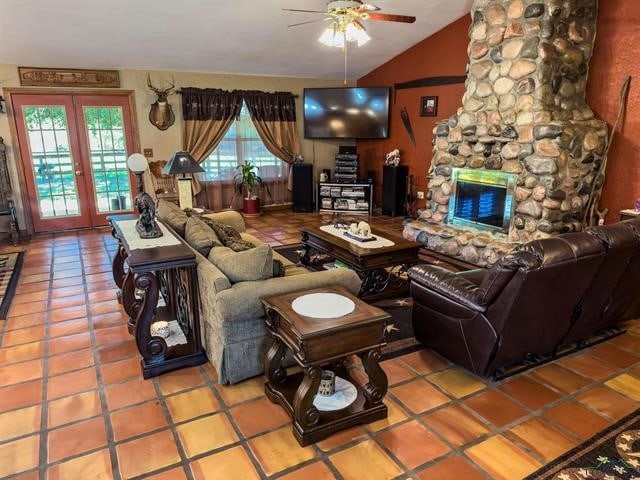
point(74, 152)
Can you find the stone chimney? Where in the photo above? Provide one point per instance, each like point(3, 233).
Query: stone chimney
point(523, 112)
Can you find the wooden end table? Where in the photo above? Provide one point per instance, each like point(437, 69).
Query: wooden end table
point(380, 269)
point(318, 344)
point(169, 271)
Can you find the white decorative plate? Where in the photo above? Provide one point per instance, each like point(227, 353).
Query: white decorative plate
point(323, 305)
point(344, 396)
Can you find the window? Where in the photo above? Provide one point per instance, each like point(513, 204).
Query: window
point(241, 144)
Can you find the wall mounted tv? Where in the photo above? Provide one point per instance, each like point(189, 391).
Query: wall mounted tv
point(346, 112)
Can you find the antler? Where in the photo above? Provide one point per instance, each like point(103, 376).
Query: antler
point(151, 86)
point(158, 91)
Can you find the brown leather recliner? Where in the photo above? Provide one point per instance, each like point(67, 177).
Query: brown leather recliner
point(485, 320)
point(613, 295)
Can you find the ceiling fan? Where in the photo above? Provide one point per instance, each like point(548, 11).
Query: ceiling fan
point(346, 11)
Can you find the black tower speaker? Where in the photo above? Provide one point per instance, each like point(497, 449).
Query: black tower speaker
point(302, 187)
point(394, 189)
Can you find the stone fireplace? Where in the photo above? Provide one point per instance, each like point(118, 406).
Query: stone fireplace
point(520, 157)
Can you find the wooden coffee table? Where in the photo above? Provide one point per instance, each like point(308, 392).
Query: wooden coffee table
point(319, 344)
point(380, 269)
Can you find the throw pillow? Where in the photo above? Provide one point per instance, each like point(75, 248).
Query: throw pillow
point(249, 265)
point(171, 214)
point(278, 268)
point(200, 236)
point(229, 236)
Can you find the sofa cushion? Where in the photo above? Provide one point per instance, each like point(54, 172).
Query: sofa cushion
point(229, 236)
point(200, 236)
point(249, 265)
point(171, 214)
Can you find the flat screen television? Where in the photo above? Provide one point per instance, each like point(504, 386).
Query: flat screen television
point(346, 112)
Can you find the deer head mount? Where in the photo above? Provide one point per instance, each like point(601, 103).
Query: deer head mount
point(161, 114)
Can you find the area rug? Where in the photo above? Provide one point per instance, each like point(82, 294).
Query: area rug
point(613, 454)
point(10, 266)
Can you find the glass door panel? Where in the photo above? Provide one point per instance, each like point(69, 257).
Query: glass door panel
point(51, 161)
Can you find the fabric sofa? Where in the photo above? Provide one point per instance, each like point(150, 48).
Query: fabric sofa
point(232, 316)
point(545, 295)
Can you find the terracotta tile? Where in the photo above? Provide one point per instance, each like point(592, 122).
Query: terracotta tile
point(608, 402)
point(94, 465)
point(315, 471)
point(33, 475)
point(67, 291)
point(560, 378)
point(20, 395)
point(117, 351)
point(240, 392)
point(69, 343)
point(68, 313)
point(577, 419)
point(529, 392)
point(137, 420)
point(27, 308)
point(206, 434)
point(396, 371)
point(124, 394)
point(413, 444)
point(231, 463)
point(20, 372)
point(456, 382)
point(68, 327)
point(419, 396)
point(502, 459)
point(495, 407)
point(71, 301)
point(614, 355)
point(451, 468)
point(395, 414)
point(279, 450)
point(258, 416)
point(17, 423)
point(23, 335)
point(627, 341)
point(121, 370)
point(23, 321)
point(541, 438)
point(587, 365)
point(424, 361)
point(21, 353)
point(104, 307)
point(77, 438)
point(456, 424)
point(179, 380)
point(70, 383)
point(75, 407)
point(627, 385)
point(210, 372)
point(70, 361)
point(111, 319)
point(147, 454)
point(176, 473)
point(19, 455)
point(32, 287)
point(118, 334)
point(365, 460)
point(341, 438)
point(38, 277)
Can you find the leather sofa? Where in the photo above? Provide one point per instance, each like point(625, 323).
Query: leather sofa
point(545, 295)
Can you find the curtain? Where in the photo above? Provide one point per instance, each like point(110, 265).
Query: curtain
point(274, 116)
point(208, 114)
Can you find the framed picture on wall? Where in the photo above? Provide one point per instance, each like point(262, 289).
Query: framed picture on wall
point(428, 106)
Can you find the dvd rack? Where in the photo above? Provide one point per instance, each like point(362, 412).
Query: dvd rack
point(346, 167)
point(350, 198)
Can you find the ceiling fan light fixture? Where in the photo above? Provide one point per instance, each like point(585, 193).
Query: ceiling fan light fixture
point(332, 36)
point(356, 33)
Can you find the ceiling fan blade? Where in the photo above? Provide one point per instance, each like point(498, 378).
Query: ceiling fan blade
point(389, 17)
point(367, 7)
point(304, 23)
point(305, 11)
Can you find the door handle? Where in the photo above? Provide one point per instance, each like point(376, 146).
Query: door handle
point(78, 172)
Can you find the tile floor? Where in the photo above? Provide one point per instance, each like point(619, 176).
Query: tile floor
point(73, 404)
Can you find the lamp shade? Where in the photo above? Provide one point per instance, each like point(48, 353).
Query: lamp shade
point(181, 162)
point(137, 162)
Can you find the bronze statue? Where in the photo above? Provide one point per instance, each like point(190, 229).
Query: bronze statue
point(146, 225)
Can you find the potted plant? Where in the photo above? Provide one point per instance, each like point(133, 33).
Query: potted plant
point(248, 178)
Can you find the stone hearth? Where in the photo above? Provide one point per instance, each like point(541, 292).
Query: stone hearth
point(524, 112)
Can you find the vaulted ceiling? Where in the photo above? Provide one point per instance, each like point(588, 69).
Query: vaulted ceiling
point(230, 36)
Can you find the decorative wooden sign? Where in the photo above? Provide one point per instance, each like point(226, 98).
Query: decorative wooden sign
point(68, 77)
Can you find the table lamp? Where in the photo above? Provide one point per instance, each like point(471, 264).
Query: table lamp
point(146, 225)
point(182, 162)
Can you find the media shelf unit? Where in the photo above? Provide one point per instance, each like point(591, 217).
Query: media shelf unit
point(356, 198)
